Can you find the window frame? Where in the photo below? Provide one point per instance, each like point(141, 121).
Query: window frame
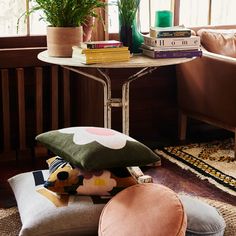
point(40, 40)
point(31, 41)
point(23, 41)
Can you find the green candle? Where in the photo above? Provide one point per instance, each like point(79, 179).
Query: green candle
point(163, 18)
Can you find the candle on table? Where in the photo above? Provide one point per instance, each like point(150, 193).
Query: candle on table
point(163, 18)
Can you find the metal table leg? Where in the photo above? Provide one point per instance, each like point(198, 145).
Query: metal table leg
point(123, 102)
point(125, 95)
point(106, 82)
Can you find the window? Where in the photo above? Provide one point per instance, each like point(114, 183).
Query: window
point(10, 10)
point(37, 26)
point(223, 12)
point(190, 12)
point(193, 13)
point(145, 19)
point(113, 23)
point(147, 14)
point(207, 12)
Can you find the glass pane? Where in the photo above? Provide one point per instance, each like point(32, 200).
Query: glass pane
point(10, 11)
point(223, 12)
point(144, 16)
point(113, 23)
point(194, 12)
point(144, 19)
point(147, 18)
point(157, 6)
point(37, 26)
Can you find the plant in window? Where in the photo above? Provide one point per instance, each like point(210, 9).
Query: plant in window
point(129, 34)
point(127, 11)
point(65, 15)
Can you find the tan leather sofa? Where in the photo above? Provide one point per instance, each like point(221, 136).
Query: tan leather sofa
point(207, 85)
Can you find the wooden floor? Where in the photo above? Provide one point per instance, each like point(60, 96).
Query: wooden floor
point(168, 174)
point(9, 169)
point(181, 180)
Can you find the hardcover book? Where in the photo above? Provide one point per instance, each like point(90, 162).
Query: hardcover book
point(99, 50)
point(174, 48)
point(101, 56)
point(101, 44)
point(172, 54)
point(172, 42)
point(168, 32)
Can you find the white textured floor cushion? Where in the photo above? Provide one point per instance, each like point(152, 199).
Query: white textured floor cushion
point(44, 213)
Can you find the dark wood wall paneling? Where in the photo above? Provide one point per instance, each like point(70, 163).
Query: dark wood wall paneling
point(23, 41)
point(153, 104)
point(153, 108)
point(47, 99)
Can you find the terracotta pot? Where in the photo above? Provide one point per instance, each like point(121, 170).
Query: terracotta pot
point(61, 39)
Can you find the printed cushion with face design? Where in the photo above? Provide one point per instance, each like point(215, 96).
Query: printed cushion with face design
point(65, 178)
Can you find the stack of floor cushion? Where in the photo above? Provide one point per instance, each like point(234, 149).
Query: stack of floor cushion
point(87, 170)
point(64, 200)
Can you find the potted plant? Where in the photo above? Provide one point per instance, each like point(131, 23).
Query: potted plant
point(128, 32)
point(64, 19)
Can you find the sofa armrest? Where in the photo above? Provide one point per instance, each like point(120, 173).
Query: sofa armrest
point(218, 57)
point(206, 88)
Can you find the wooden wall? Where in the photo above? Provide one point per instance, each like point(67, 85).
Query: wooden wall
point(36, 97)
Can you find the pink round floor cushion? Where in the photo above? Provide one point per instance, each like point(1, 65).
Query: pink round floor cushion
point(143, 210)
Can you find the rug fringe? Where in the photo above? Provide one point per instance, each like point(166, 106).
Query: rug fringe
point(186, 167)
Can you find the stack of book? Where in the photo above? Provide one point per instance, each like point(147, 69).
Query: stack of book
point(101, 52)
point(171, 42)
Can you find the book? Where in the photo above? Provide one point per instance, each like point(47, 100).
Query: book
point(99, 50)
point(101, 44)
point(85, 59)
point(172, 42)
point(100, 56)
point(177, 48)
point(173, 53)
point(169, 32)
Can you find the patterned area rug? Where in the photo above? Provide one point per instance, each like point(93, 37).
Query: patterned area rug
point(213, 161)
point(10, 223)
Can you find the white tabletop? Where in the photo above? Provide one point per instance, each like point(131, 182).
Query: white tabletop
point(135, 62)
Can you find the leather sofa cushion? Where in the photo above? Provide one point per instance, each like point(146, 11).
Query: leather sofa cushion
point(219, 41)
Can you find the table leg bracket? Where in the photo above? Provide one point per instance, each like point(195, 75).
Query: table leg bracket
point(138, 175)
